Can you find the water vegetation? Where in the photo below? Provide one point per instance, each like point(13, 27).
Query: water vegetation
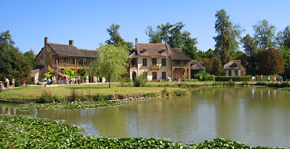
point(18, 131)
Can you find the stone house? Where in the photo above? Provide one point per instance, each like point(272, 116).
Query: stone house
point(60, 56)
point(234, 68)
point(158, 61)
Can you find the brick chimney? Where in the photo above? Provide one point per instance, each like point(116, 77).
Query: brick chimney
point(71, 42)
point(45, 40)
point(136, 47)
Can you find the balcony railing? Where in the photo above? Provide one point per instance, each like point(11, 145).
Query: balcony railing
point(71, 65)
point(155, 67)
point(175, 65)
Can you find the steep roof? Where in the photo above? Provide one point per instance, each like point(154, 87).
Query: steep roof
point(90, 53)
point(197, 66)
point(176, 54)
point(153, 50)
point(65, 50)
point(234, 65)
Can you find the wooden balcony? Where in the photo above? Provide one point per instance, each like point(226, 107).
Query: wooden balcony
point(70, 66)
point(180, 66)
point(155, 67)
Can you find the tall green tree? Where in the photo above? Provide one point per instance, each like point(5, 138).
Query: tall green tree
point(217, 67)
point(175, 36)
point(112, 62)
point(12, 61)
point(116, 38)
point(271, 62)
point(210, 54)
point(31, 56)
point(283, 38)
point(285, 51)
point(188, 46)
point(264, 34)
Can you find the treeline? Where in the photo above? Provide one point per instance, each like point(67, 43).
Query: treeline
point(13, 63)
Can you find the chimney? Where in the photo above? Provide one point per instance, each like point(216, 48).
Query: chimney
point(71, 42)
point(136, 47)
point(45, 40)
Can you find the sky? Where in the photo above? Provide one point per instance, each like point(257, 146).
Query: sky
point(86, 21)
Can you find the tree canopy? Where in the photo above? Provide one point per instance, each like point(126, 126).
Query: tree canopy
point(116, 38)
point(112, 62)
point(264, 34)
point(271, 62)
point(13, 63)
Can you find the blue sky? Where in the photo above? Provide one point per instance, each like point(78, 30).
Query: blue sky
point(86, 21)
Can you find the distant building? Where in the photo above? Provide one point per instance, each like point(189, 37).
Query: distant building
point(59, 57)
point(235, 68)
point(159, 62)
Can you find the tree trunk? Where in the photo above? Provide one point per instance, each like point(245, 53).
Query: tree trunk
point(109, 81)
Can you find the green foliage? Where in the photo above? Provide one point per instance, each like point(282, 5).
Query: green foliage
point(12, 61)
point(189, 80)
point(226, 40)
point(83, 72)
point(221, 143)
point(233, 78)
point(31, 56)
point(264, 34)
point(46, 97)
point(165, 92)
point(116, 39)
point(140, 81)
point(112, 62)
point(70, 72)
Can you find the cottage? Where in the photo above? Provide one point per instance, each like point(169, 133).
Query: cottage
point(158, 61)
point(235, 68)
point(59, 57)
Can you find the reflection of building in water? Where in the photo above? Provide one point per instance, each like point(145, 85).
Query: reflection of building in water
point(253, 92)
point(8, 110)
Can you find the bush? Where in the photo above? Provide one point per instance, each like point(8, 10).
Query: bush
point(140, 81)
point(234, 78)
point(46, 97)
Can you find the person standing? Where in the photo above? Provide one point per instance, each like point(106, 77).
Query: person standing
point(7, 83)
point(13, 82)
point(261, 78)
point(23, 82)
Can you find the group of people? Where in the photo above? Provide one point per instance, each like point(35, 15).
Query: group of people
point(274, 79)
point(7, 84)
point(45, 81)
point(77, 80)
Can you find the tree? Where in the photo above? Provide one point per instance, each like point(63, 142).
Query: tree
point(153, 36)
point(175, 37)
point(252, 54)
point(69, 72)
point(217, 68)
point(285, 51)
point(13, 63)
point(226, 40)
point(116, 39)
point(112, 62)
point(208, 64)
point(31, 56)
point(188, 46)
point(264, 34)
point(271, 62)
point(210, 54)
point(283, 38)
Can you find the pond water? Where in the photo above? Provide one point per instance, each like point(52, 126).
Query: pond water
point(257, 116)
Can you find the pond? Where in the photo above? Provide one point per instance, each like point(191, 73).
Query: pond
point(258, 116)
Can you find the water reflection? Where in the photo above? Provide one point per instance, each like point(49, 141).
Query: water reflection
point(259, 116)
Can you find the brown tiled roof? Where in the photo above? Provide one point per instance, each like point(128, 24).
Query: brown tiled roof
point(176, 54)
point(234, 65)
point(133, 54)
point(152, 49)
point(197, 66)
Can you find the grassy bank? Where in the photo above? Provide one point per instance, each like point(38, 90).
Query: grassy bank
point(26, 132)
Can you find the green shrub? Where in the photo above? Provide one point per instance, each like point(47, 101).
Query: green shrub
point(140, 81)
point(46, 97)
point(234, 78)
point(165, 92)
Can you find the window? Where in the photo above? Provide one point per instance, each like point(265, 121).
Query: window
point(236, 73)
point(154, 61)
point(230, 72)
point(163, 75)
point(177, 62)
point(154, 75)
point(144, 61)
point(73, 61)
point(64, 60)
point(56, 60)
point(85, 61)
point(163, 61)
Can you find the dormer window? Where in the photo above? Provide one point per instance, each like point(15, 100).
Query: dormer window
point(162, 51)
point(234, 65)
point(144, 50)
